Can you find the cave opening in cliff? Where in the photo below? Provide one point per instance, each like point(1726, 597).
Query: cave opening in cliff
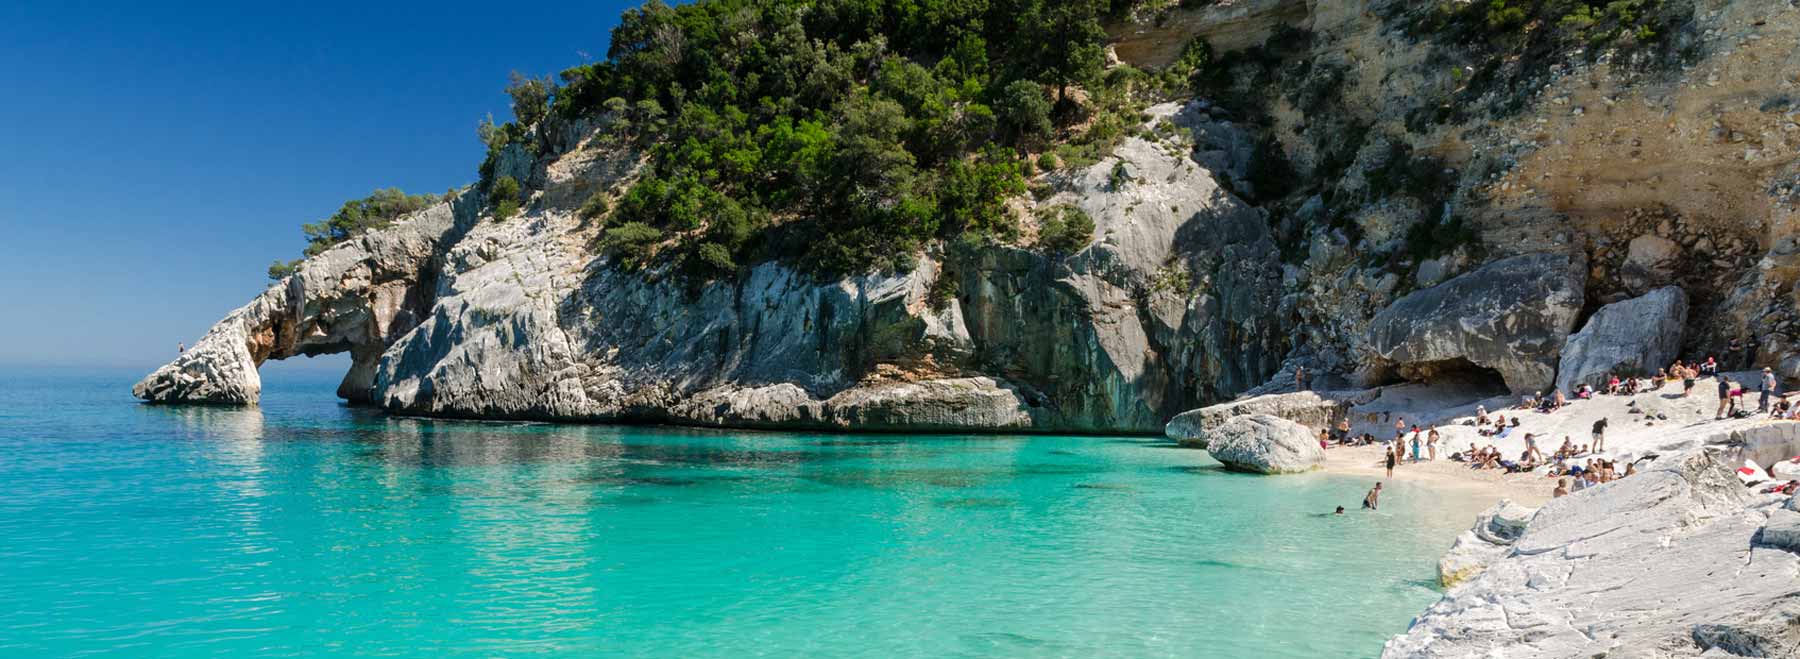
point(1456, 373)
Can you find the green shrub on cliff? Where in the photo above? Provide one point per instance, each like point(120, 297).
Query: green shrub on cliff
point(357, 216)
point(1065, 230)
point(505, 195)
point(280, 269)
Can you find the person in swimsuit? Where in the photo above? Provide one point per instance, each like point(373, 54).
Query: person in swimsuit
point(1415, 445)
point(1392, 457)
point(1373, 498)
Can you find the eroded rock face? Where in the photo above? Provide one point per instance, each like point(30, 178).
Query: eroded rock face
point(1264, 444)
point(527, 324)
point(1635, 336)
point(359, 297)
point(1495, 530)
point(1628, 568)
point(1511, 315)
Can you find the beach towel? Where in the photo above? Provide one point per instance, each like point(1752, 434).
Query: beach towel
point(1751, 473)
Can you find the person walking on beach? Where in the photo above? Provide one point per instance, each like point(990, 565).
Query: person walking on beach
point(1768, 390)
point(1373, 498)
point(1600, 435)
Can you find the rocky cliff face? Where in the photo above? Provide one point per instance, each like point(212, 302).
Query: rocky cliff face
point(1365, 198)
point(1173, 303)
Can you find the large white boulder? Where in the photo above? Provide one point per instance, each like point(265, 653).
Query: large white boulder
point(1511, 315)
point(1264, 444)
point(1632, 336)
point(1309, 408)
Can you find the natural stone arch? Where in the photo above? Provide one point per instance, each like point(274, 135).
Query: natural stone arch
point(358, 297)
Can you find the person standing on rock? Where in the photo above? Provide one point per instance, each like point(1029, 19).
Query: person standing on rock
point(1768, 390)
point(1724, 396)
point(180, 348)
point(1373, 498)
point(1600, 435)
point(1399, 429)
point(1687, 378)
point(1300, 378)
point(1734, 354)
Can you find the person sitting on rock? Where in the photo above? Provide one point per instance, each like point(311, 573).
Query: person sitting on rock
point(1481, 415)
point(1584, 392)
point(1709, 367)
point(1562, 488)
point(1661, 377)
point(1529, 402)
point(1630, 387)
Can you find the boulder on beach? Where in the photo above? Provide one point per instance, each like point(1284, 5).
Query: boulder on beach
point(1630, 336)
point(1309, 408)
point(1510, 316)
point(1264, 444)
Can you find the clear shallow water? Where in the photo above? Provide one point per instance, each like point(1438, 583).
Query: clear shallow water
point(307, 528)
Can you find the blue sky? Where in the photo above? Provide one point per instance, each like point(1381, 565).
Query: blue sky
point(155, 160)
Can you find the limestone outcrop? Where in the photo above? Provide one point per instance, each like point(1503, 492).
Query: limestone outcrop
point(1493, 535)
point(464, 315)
point(1264, 444)
point(1511, 316)
point(1630, 337)
point(1677, 560)
point(357, 297)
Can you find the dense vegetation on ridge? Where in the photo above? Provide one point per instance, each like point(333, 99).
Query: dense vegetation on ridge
point(355, 217)
point(840, 134)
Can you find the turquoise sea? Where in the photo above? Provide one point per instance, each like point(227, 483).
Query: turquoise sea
point(307, 528)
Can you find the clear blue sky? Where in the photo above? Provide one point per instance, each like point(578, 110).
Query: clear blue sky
point(155, 160)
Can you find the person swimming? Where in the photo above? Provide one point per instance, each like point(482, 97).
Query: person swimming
point(1340, 510)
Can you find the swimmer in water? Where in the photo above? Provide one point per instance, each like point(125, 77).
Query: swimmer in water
point(1340, 511)
point(1373, 498)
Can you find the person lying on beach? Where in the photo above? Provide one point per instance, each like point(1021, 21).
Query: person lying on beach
point(1529, 402)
